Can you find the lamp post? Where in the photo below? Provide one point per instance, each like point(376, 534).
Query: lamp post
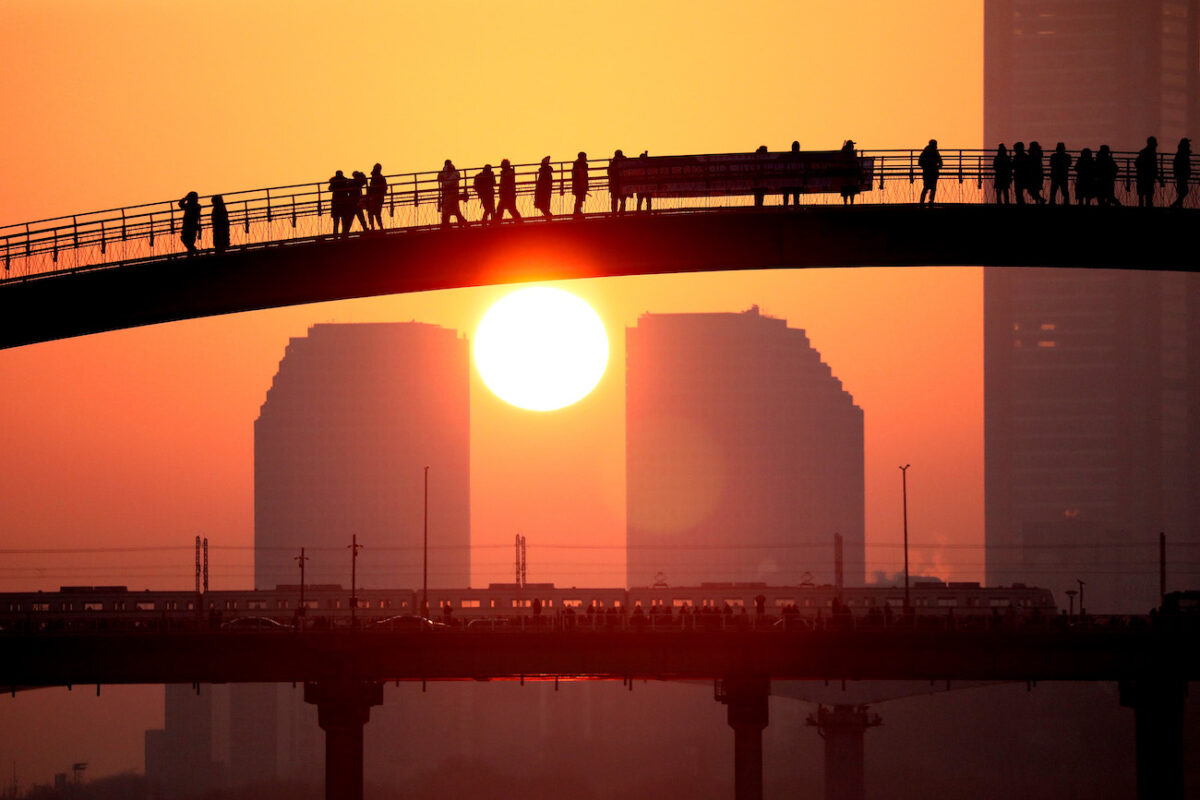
point(1081, 611)
point(425, 554)
point(904, 496)
point(354, 547)
point(1071, 603)
point(301, 559)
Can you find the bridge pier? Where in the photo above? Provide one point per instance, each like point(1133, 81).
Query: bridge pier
point(746, 703)
point(343, 708)
point(843, 728)
point(1158, 718)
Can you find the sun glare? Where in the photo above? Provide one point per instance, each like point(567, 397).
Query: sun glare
point(541, 348)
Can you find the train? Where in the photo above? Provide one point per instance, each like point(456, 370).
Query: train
point(329, 605)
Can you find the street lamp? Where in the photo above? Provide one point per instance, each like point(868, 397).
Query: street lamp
point(1081, 585)
point(1071, 602)
point(904, 495)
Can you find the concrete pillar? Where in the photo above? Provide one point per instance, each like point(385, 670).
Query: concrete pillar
point(343, 708)
point(843, 728)
point(746, 702)
point(1158, 716)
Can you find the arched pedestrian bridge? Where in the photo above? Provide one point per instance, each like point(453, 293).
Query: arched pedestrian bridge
point(123, 268)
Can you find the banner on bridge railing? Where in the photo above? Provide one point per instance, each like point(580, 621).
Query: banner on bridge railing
point(805, 172)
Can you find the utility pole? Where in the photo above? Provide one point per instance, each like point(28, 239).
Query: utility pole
point(301, 559)
point(425, 551)
point(206, 565)
point(904, 495)
point(353, 547)
point(197, 566)
point(1081, 585)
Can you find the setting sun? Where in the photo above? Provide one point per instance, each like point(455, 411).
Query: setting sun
point(541, 349)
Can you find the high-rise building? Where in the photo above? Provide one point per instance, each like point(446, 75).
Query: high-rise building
point(744, 454)
point(353, 417)
point(1090, 377)
point(1091, 72)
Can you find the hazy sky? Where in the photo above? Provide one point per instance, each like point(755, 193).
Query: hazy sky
point(144, 437)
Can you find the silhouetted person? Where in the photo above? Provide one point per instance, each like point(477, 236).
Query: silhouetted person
point(1037, 174)
point(338, 201)
point(850, 190)
point(930, 162)
point(1106, 177)
point(615, 193)
point(1181, 168)
point(792, 191)
point(358, 203)
point(1020, 163)
point(760, 194)
point(1002, 173)
point(543, 187)
point(376, 191)
point(191, 221)
point(579, 183)
point(1085, 178)
point(1060, 174)
point(508, 192)
point(484, 185)
point(649, 198)
point(448, 183)
point(1145, 168)
point(219, 222)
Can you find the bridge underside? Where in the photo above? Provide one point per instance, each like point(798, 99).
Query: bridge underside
point(308, 271)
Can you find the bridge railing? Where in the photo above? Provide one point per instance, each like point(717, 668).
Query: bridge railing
point(301, 212)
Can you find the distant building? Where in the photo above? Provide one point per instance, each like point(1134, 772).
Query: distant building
point(1091, 439)
point(744, 454)
point(1091, 72)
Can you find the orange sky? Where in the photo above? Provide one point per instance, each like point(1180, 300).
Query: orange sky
point(145, 436)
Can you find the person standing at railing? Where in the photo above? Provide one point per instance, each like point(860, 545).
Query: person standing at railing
point(760, 195)
point(1106, 178)
point(190, 230)
point(649, 198)
point(930, 162)
point(1085, 178)
point(579, 183)
point(358, 203)
point(448, 183)
point(376, 191)
point(508, 192)
point(1181, 166)
point(1060, 174)
point(337, 203)
point(852, 177)
point(793, 192)
point(543, 187)
point(616, 194)
point(1145, 168)
point(219, 222)
point(484, 184)
point(1002, 173)
point(1037, 174)
point(1020, 165)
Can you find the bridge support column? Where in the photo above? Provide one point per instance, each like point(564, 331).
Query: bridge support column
point(843, 728)
point(1158, 716)
point(746, 702)
point(343, 708)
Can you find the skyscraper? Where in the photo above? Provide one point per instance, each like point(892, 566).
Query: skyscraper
point(1091, 72)
point(1091, 378)
point(744, 454)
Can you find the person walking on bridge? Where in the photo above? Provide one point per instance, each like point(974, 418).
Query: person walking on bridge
point(448, 187)
point(376, 191)
point(1037, 174)
point(543, 187)
point(484, 185)
point(579, 183)
point(616, 194)
point(191, 222)
point(649, 198)
point(930, 162)
point(338, 202)
point(1145, 167)
point(219, 221)
point(508, 192)
point(357, 203)
point(1060, 174)
point(1181, 166)
point(1002, 173)
point(1106, 177)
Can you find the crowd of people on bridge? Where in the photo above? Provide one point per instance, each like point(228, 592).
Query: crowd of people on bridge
point(1018, 176)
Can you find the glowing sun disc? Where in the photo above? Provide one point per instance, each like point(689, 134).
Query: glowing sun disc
point(541, 349)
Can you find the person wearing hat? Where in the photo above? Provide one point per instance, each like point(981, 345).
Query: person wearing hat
point(852, 177)
point(543, 188)
point(1182, 167)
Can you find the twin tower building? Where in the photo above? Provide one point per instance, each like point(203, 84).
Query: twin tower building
point(744, 455)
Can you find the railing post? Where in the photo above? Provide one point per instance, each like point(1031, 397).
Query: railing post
point(56, 245)
point(268, 206)
point(391, 201)
point(293, 211)
point(104, 237)
point(27, 251)
point(152, 231)
point(246, 217)
point(124, 227)
point(318, 200)
point(75, 231)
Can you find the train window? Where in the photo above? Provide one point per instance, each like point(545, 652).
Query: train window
point(896, 602)
point(335, 603)
point(572, 603)
point(312, 603)
point(172, 605)
point(362, 603)
point(256, 605)
point(997, 602)
point(518, 603)
point(736, 602)
point(14, 607)
point(385, 603)
point(41, 606)
point(469, 603)
point(65, 607)
point(144, 605)
point(283, 604)
point(93, 606)
point(680, 603)
point(119, 605)
point(231, 605)
point(780, 602)
point(947, 602)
